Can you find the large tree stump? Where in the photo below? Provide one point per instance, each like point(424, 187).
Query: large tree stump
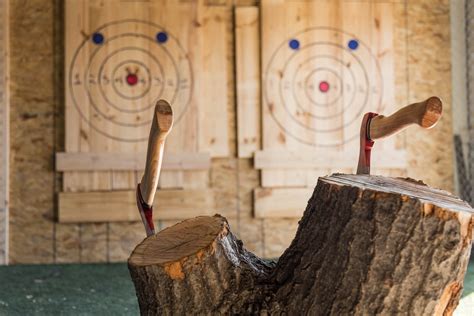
point(365, 245)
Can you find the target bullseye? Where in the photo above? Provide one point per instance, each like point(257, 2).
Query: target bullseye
point(318, 83)
point(324, 86)
point(132, 79)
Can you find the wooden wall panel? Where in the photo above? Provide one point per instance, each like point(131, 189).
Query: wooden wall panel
point(121, 205)
point(281, 202)
point(422, 36)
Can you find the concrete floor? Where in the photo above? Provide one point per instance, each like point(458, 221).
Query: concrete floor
point(99, 289)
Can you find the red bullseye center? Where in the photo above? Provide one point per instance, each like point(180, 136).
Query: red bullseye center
point(132, 79)
point(323, 86)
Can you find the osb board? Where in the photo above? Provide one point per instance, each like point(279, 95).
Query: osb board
point(37, 112)
point(429, 44)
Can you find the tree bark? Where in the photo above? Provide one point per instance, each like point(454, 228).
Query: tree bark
point(365, 245)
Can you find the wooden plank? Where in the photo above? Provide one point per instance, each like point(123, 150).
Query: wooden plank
point(171, 180)
point(281, 202)
point(278, 159)
point(278, 235)
point(247, 50)
point(214, 22)
point(4, 131)
point(271, 178)
point(113, 206)
point(97, 161)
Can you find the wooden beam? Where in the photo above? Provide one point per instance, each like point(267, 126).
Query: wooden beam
point(247, 50)
point(120, 206)
point(281, 202)
point(128, 161)
point(279, 159)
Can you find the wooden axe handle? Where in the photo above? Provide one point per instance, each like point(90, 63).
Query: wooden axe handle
point(426, 114)
point(160, 128)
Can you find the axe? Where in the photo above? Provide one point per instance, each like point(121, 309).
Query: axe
point(146, 189)
point(374, 126)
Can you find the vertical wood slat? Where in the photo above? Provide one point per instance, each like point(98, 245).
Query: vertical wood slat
point(247, 51)
point(212, 132)
point(4, 131)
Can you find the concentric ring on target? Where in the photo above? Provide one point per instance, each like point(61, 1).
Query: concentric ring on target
point(336, 113)
point(318, 92)
point(125, 74)
point(328, 103)
point(100, 75)
point(310, 83)
point(122, 67)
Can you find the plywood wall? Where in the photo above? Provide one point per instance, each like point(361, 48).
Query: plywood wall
point(37, 132)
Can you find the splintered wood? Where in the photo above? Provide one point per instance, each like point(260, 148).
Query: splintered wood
point(366, 245)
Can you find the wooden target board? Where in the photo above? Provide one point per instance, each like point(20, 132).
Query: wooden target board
point(123, 56)
point(324, 65)
point(130, 64)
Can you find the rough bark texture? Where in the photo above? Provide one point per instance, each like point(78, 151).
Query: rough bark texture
point(365, 245)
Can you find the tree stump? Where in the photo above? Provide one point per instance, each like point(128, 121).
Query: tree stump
point(366, 245)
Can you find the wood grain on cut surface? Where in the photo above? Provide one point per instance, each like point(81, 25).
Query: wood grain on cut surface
point(408, 187)
point(185, 239)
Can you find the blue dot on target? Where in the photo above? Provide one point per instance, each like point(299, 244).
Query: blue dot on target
point(294, 44)
point(97, 38)
point(161, 37)
point(353, 44)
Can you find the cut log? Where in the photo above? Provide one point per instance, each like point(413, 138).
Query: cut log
point(365, 245)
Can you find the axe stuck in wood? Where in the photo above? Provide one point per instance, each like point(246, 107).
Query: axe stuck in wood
point(146, 189)
point(374, 126)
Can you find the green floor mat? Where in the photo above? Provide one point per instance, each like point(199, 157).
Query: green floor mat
point(87, 289)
